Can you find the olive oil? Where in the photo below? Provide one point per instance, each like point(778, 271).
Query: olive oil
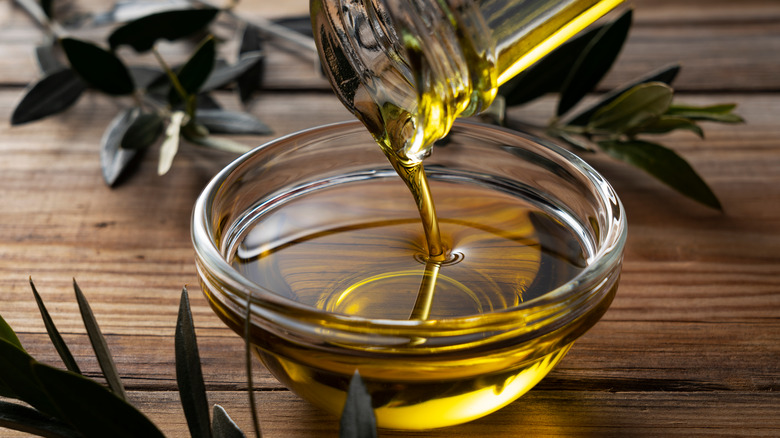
point(358, 249)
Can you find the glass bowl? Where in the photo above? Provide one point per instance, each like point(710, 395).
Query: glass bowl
point(313, 241)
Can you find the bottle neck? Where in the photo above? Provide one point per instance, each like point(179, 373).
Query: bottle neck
point(406, 68)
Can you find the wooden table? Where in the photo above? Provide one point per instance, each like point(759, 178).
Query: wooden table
point(690, 346)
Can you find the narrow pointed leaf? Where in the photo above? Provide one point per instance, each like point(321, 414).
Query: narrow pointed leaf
point(251, 81)
point(28, 420)
point(665, 165)
point(8, 334)
point(114, 159)
point(99, 345)
point(18, 381)
point(53, 93)
point(92, 409)
point(665, 75)
point(144, 131)
point(48, 62)
point(714, 113)
point(231, 122)
point(665, 124)
point(189, 375)
point(194, 73)
point(100, 68)
point(54, 334)
point(141, 34)
point(225, 74)
point(594, 62)
point(223, 426)
point(635, 107)
point(170, 146)
point(357, 418)
point(548, 74)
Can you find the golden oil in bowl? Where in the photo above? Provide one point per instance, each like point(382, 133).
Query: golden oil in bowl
point(315, 233)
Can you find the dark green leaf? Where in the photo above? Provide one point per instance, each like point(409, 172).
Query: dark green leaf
point(143, 132)
point(223, 426)
point(114, 160)
point(548, 74)
point(665, 165)
point(635, 107)
point(714, 113)
point(18, 381)
point(8, 334)
point(99, 344)
point(221, 121)
point(225, 74)
point(100, 68)
point(48, 62)
point(251, 80)
point(189, 375)
point(664, 124)
point(141, 34)
point(194, 135)
point(357, 418)
point(665, 75)
point(54, 334)
point(92, 409)
point(28, 420)
point(195, 72)
point(594, 62)
point(52, 94)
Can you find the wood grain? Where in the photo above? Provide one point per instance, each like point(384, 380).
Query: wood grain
point(690, 346)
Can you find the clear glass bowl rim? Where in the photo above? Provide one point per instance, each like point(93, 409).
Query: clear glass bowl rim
point(607, 258)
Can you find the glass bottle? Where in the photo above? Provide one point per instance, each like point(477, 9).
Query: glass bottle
point(408, 68)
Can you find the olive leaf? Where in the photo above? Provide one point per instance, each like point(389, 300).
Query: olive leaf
point(637, 106)
point(195, 71)
point(28, 420)
point(55, 92)
point(714, 113)
point(251, 80)
point(8, 334)
point(170, 145)
point(100, 68)
point(113, 158)
point(143, 132)
point(357, 417)
point(189, 375)
point(47, 59)
point(665, 165)
point(99, 345)
point(223, 426)
point(665, 74)
point(227, 73)
point(594, 62)
point(665, 124)
point(18, 381)
point(54, 334)
point(221, 121)
point(90, 408)
point(141, 34)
